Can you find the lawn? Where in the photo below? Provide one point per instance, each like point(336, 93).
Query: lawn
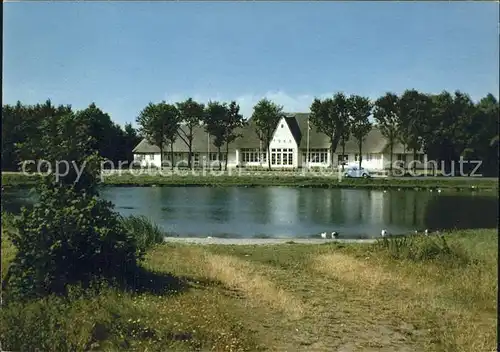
point(273, 178)
point(291, 297)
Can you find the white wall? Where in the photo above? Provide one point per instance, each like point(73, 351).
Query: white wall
point(283, 139)
point(147, 160)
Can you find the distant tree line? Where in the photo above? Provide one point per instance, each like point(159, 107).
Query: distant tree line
point(29, 123)
point(163, 123)
point(445, 126)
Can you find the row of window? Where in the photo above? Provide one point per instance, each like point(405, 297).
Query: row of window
point(196, 157)
point(284, 157)
point(279, 156)
point(253, 156)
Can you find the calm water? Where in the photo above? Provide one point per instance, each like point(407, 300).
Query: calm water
point(292, 212)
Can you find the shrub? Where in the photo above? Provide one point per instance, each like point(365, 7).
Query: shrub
point(146, 233)
point(68, 237)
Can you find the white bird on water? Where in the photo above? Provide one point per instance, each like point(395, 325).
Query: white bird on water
point(335, 235)
point(439, 191)
point(323, 235)
point(384, 233)
point(426, 232)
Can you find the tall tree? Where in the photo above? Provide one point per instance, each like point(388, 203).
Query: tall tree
point(130, 139)
point(415, 110)
point(171, 118)
point(331, 117)
point(191, 116)
point(344, 126)
point(386, 113)
point(234, 122)
point(266, 116)
point(159, 124)
point(484, 141)
point(215, 119)
point(69, 221)
point(360, 109)
point(104, 131)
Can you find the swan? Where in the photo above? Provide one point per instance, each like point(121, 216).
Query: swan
point(426, 232)
point(323, 235)
point(384, 233)
point(335, 235)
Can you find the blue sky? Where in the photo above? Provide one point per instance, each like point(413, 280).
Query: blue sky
point(122, 55)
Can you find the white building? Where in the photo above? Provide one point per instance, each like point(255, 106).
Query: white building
point(290, 145)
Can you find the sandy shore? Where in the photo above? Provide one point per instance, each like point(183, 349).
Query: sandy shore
point(260, 241)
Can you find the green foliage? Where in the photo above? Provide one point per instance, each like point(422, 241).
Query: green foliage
point(424, 248)
point(266, 116)
point(159, 123)
point(191, 114)
point(68, 237)
point(222, 123)
point(331, 117)
point(360, 109)
point(146, 233)
point(28, 124)
point(387, 115)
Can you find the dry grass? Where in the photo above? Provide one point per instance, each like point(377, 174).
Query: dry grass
point(288, 298)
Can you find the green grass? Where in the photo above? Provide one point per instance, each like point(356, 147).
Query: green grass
point(289, 179)
point(282, 297)
point(147, 233)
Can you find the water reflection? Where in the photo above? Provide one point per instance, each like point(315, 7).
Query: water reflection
point(278, 211)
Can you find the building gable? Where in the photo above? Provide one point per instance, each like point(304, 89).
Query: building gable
point(283, 137)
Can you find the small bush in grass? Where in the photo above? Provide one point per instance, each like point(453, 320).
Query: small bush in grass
point(423, 248)
point(68, 238)
point(146, 233)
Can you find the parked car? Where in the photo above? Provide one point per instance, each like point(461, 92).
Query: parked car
point(356, 171)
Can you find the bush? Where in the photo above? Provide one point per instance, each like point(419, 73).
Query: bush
point(146, 233)
point(68, 237)
point(423, 248)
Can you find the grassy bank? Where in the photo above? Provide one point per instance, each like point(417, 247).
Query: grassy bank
point(290, 179)
point(421, 295)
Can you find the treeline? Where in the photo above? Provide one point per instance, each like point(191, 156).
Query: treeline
point(445, 126)
point(26, 124)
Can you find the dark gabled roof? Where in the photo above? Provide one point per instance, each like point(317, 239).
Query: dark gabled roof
point(249, 138)
point(294, 128)
point(200, 144)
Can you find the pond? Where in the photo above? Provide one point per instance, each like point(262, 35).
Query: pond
point(281, 212)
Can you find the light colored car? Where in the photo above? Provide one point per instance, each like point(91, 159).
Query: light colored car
point(356, 171)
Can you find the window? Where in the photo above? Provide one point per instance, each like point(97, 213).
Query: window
point(196, 157)
point(282, 156)
point(215, 156)
point(402, 157)
point(342, 158)
point(281, 125)
point(252, 156)
point(319, 156)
